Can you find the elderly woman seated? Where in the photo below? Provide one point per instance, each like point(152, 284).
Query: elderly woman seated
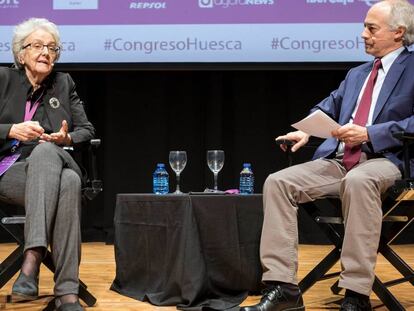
point(40, 112)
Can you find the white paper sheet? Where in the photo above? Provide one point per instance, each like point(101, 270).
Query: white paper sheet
point(317, 124)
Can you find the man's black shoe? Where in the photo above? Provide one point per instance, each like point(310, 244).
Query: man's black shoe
point(279, 297)
point(355, 304)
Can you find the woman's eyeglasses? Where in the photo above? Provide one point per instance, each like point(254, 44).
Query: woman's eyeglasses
point(38, 46)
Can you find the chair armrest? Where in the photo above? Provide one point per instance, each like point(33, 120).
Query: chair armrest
point(404, 136)
point(311, 144)
point(13, 220)
point(284, 142)
point(289, 143)
point(95, 142)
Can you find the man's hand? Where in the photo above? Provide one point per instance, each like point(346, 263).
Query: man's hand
point(60, 138)
point(299, 139)
point(26, 131)
point(351, 134)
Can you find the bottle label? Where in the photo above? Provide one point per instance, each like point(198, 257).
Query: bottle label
point(160, 181)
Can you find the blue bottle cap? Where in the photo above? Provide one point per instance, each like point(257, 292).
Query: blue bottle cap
point(160, 165)
point(247, 165)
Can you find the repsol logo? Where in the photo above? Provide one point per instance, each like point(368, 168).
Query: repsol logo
point(230, 3)
point(142, 5)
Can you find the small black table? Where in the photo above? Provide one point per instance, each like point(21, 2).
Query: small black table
point(192, 251)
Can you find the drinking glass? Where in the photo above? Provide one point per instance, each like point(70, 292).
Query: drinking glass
point(215, 162)
point(178, 160)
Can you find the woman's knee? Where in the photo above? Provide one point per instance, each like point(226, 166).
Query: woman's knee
point(70, 180)
point(44, 151)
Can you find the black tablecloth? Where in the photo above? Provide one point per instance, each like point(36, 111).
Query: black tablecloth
point(192, 251)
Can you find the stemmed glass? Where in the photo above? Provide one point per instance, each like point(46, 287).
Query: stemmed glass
point(178, 160)
point(215, 162)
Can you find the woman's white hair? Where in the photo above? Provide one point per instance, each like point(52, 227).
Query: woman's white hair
point(23, 30)
point(402, 15)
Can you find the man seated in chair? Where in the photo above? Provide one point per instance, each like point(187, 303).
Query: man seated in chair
point(357, 164)
point(40, 112)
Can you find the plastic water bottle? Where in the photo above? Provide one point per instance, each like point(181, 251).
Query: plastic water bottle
point(160, 180)
point(246, 179)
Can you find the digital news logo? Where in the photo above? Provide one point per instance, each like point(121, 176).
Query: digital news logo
point(9, 4)
point(208, 4)
point(205, 3)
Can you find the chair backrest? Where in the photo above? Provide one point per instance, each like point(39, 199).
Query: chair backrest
point(86, 156)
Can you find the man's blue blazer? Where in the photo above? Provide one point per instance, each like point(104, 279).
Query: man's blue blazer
point(394, 110)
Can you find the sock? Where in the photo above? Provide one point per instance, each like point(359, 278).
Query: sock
point(283, 284)
point(351, 293)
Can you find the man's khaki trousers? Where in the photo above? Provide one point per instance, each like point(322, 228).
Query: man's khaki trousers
point(360, 191)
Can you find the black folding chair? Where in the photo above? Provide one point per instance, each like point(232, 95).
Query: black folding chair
point(398, 214)
point(14, 225)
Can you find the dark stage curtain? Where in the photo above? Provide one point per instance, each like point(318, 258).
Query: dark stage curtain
point(142, 115)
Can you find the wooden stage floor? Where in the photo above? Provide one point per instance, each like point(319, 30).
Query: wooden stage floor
point(98, 271)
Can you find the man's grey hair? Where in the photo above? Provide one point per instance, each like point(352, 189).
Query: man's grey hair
point(402, 15)
point(23, 30)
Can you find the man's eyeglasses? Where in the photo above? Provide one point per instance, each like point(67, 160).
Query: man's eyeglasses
point(39, 46)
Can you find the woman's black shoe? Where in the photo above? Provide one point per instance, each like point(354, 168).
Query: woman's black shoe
point(278, 298)
point(25, 288)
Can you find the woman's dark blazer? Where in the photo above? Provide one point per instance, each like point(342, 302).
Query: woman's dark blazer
point(61, 102)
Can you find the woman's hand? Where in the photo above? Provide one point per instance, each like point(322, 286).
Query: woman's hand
point(299, 139)
point(60, 138)
point(26, 131)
